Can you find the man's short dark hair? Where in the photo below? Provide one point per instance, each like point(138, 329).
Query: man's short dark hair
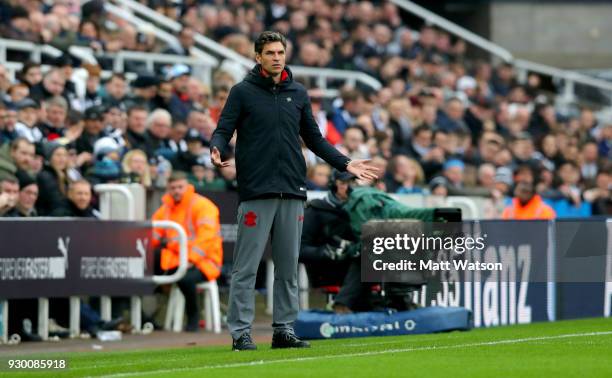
point(351, 94)
point(421, 129)
point(136, 107)
point(176, 176)
point(360, 128)
point(74, 184)
point(269, 37)
point(220, 88)
point(18, 141)
point(8, 178)
point(117, 75)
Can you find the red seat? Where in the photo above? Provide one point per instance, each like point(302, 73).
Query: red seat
point(330, 289)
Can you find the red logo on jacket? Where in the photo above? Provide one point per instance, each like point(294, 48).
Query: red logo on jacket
point(250, 219)
point(300, 218)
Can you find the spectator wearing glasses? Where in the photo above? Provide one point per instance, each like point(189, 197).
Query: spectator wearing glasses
point(28, 194)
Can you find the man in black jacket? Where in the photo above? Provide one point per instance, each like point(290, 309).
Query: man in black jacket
point(135, 136)
point(270, 112)
point(78, 203)
point(92, 131)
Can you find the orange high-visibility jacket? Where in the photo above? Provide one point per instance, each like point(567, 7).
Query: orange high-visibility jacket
point(534, 209)
point(200, 219)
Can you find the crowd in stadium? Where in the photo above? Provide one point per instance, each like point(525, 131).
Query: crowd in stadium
point(442, 124)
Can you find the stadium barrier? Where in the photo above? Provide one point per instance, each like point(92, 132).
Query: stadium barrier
point(69, 258)
point(117, 202)
point(550, 270)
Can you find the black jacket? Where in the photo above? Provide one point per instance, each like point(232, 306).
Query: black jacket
point(153, 144)
point(325, 223)
point(85, 142)
point(17, 213)
point(50, 197)
point(184, 161)
point(269, 120)
point(136, 141)
point(68, 209)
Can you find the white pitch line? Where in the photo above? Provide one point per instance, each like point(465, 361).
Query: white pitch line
point(360, 354)
point(170, 360)
point(320, 347)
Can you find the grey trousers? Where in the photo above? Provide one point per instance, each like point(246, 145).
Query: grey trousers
point(258, 219)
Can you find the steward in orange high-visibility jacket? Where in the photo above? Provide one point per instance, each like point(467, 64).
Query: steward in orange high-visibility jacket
point(527, 205)
point(200, 219)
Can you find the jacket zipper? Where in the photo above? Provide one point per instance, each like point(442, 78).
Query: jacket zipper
point(278, 159)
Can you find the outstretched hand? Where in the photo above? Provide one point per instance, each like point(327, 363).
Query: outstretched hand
point(215, 157)
point(363, 169)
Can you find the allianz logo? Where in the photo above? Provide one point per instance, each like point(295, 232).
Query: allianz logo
point(327, 330)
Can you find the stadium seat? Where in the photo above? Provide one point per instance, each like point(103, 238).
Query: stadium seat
point(303, 286)
point(212, 308)
point(330, 292)
point(175, 310)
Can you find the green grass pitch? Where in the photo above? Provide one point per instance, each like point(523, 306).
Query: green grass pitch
point(580, 348)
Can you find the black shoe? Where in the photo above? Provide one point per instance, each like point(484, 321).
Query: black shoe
point(27, 336)
point(111, 325)
point(192, 326)
point(287, 339)
point(27, 333)
point(244, 342)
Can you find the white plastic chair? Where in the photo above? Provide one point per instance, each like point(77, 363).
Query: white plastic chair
point(212, 308)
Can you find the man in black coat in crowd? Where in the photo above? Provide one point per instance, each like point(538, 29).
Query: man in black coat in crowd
point(184, 160)
point(78, 203)
point(135, 136)
point(93, 130)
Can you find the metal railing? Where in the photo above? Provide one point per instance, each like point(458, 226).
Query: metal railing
point(161, 34)
point(320, 74)
point(182, 239)
point(323, 74)
point(455, 29)
point(570, 78)
point(106, 191)
point(201, 67)
point(201, 63)
point(36, 50)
